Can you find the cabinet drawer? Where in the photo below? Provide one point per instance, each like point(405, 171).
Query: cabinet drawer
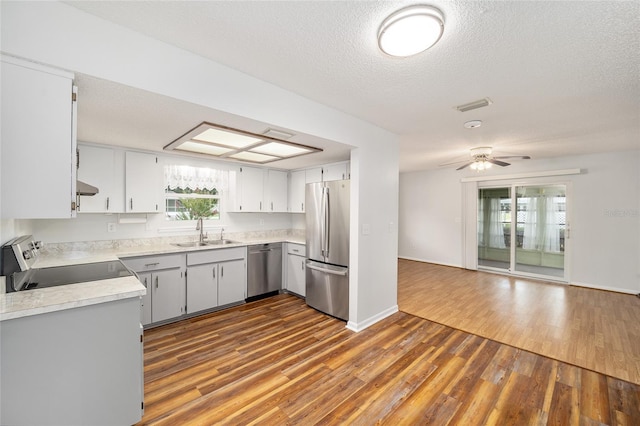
point(216, 255)
point(152, 263)
point(297, 249)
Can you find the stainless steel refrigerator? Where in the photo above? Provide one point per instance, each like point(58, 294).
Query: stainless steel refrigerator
point(327, 264)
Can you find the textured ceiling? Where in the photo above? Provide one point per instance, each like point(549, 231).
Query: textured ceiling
point(564, 77)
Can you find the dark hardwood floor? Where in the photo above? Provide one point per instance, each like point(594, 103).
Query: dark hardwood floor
point(277, 362)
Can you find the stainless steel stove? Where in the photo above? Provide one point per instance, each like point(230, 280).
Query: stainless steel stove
point(20, 254)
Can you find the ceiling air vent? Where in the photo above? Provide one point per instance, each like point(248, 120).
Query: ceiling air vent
point(474, 105)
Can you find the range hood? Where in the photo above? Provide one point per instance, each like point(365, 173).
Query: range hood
point(85, 189)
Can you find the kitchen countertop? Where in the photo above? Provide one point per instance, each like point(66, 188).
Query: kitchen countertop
point(39, 301)
point(90, 255)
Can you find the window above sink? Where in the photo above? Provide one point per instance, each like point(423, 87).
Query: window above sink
point(193, 192)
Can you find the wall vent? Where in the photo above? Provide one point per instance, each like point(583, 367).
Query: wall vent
point(474, 105)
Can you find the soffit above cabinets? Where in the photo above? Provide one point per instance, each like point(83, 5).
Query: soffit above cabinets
point(224, 142)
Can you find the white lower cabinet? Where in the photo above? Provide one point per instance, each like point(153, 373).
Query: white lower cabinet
point(202, 287)
point(146, 279)
point(296, 269)
point(232, 282)
point(167, 295)
point(184, 284)
point(165, 279)
point(216, 278)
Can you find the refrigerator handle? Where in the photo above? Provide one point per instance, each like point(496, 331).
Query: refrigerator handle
point(327, 221)
point(328, 271)
point(322, 222)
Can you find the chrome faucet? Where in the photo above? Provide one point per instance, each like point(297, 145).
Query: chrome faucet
point(200, 227)
point(221, 231)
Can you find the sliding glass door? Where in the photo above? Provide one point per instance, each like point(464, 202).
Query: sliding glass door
point(541, 221)
point(494, 228)
point(522, 229)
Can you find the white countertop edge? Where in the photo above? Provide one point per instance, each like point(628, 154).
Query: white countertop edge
point(52, 299)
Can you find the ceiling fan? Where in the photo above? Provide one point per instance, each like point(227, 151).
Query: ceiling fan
point(481, 159)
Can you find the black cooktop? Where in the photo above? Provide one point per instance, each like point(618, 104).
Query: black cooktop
point(62, 275)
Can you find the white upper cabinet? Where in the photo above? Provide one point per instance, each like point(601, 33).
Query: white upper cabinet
point(38, 173)
point(275, 192)
point(338, 171)
point(143, 183)
point(313, 175)
point(103, 168)
point(297, 182)
point(259, 190)
point(250, 189)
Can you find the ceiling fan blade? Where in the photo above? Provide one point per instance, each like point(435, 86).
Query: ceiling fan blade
point(497, 162)
point(522, 157)
point(466, 165)
point(453, 162)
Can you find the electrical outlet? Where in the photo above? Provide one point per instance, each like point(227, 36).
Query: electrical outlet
point(111, 227)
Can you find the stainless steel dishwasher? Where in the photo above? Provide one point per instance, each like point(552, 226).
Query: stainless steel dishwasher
point(264, 270)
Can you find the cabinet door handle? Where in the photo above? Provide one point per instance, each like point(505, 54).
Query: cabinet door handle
point(302, 264)
point(272, 206)
point(301, 206)
point(214, 272)
point(107, 203)
point(146, 265)
point(260, 205)
point(131, 204)
point(221, 271)
point(156, 281)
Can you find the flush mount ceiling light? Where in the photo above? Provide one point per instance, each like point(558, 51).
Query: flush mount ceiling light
point(228, 143)
point(410, 30)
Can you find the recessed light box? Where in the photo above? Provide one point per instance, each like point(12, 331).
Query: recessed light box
point(254, 157)
point(228, 143)
point(281, 149)
point(226, 138)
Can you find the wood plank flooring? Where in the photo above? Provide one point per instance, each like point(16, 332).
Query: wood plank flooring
point(593, 329)
point(279, 362)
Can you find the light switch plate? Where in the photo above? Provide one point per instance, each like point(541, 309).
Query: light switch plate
point(111, 227)
point(366, 229)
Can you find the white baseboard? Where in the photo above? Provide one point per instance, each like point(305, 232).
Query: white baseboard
point(607, 288)
point(353, 326)
point(430, 261)
point(585, 285)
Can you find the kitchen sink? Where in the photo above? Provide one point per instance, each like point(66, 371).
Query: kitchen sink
point(205, 243)
point(190, 244)
point(220, 242)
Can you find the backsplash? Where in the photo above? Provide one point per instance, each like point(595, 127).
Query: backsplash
point(54, 248)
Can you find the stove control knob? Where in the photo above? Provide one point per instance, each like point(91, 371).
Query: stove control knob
point(37, 245)
point(27, 254)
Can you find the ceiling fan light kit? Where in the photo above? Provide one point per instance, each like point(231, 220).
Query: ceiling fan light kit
point(481, 159)
point(411, 30)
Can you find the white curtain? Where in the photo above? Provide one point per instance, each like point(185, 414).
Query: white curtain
point(552, 226)
point(530, 237)
point(195, 178)
point(481, 215)
point(496, 229)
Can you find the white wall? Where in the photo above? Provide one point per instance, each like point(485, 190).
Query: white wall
point(430, 217)
point(605, 218)
point(59, 35)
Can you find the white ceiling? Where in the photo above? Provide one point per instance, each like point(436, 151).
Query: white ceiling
point(564, 77)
